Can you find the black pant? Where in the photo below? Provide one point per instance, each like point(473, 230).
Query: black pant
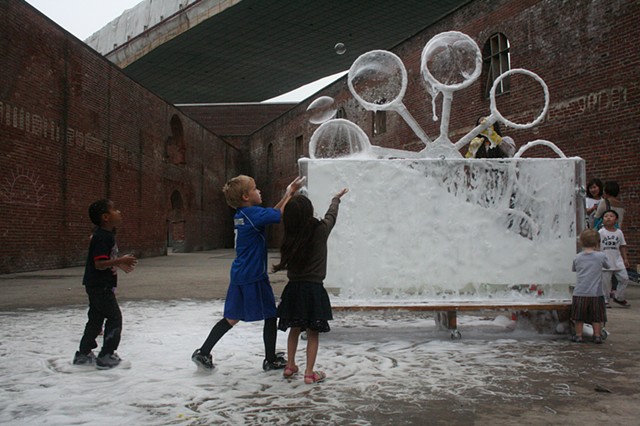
point(102, 305)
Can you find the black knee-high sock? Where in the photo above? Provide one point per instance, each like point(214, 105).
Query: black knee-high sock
point(269, 334)
point(218, 330)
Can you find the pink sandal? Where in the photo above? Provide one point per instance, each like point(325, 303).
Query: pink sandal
point(316, 377)
point(288, 372)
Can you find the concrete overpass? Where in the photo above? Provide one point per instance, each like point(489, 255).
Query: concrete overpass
point(228, 51)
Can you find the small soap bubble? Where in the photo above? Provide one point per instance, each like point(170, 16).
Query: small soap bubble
point(340, 48)
point(321, 110)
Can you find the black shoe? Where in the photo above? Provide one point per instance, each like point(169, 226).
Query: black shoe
point(279, 363)
point(107, 361)
point(82, 359)
point(577, 339)
point(597, 340)
point(202, 360)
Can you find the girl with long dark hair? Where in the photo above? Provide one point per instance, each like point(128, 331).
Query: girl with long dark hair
point(305, 304)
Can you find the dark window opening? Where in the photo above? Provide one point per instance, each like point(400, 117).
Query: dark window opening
point(379, 122)
point(496, 61)
point(174, 146)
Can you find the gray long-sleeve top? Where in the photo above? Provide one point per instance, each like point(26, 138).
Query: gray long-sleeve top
point(316, 267)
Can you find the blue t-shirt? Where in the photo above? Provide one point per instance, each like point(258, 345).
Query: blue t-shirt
point(250, 264)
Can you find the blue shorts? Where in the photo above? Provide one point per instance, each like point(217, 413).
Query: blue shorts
point(250, 302)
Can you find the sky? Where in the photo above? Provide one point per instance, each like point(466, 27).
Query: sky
point(82, 18)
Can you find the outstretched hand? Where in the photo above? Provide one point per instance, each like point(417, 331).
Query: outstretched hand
point(296, 184)
point(128, 263)
point(342, 192)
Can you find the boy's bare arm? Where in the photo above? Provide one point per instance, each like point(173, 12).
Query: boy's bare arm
point(127, 263)
point(623, 253)
point(291, 190)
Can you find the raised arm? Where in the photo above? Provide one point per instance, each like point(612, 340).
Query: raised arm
point(290, 192)
point(342, 192)
point(332, 212)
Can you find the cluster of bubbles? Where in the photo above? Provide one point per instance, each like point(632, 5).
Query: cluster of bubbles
point(450, 61)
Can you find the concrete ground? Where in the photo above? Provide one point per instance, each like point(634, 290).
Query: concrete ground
point(603, 380)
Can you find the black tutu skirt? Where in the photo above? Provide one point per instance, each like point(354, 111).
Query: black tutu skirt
point(305, 305)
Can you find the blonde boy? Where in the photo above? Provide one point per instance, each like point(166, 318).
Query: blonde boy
point(249, 296)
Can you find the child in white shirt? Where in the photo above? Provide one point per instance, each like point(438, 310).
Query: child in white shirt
point(613, 244)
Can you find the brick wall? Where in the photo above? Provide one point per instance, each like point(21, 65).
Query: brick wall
point(585, 51)
point(74, 129)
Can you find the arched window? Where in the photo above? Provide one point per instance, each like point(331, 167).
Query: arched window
point(496, 61)
point(341, 113)
point(174, 147)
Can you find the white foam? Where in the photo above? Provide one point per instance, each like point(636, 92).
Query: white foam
point(448, 229)
point(394, 359)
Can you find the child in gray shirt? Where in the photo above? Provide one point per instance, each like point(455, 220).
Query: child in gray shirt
point(588, 303)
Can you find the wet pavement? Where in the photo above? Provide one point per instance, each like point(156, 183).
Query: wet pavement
point(552, 381)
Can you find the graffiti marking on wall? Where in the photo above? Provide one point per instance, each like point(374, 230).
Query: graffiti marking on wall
point(609, 99)
point(22, 187)
point(41, 126)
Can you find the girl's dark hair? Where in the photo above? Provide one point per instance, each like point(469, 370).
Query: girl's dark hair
point(496, 126)
point(299, 226)
point(596, 182)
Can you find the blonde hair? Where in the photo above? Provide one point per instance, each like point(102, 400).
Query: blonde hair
point(590, 238)
point(235, 188)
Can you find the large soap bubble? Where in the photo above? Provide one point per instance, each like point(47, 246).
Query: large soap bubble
point(451, 61)
point(338, 138)
point(321, 110)
point(378, 80)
